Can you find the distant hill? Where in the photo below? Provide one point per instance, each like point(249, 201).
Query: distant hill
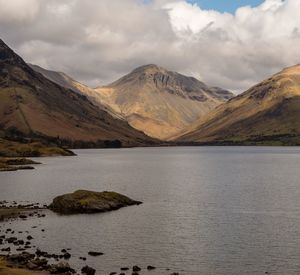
point(268, 113)
point(68, 82)
point(31, 105)
point(159, 102)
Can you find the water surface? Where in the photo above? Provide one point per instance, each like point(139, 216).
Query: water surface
point(206, 210)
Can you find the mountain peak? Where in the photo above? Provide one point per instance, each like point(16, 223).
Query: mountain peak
point(149, 68)
point(2, 44)
point(4, 48)
point(8, 55)
point(291, 70)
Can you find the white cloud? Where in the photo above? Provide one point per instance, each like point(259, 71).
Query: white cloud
point(18, 11)
point(238, 50)
point(98, 41)
point(188, 18)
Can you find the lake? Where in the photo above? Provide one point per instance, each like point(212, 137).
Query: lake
point(206, 210)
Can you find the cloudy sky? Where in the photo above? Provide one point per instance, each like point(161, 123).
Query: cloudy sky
point(96, 41)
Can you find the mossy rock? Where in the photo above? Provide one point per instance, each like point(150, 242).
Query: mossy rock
point(83, 201)
point(14, 164)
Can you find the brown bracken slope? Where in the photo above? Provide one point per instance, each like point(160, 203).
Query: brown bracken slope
point(268, 113)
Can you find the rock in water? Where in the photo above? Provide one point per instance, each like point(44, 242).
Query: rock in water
point(83, 201)
point(93, 253)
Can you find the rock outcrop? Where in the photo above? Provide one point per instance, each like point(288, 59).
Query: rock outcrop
point(83, 201)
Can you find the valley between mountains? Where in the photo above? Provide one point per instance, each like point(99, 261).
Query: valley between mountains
point(151, 99)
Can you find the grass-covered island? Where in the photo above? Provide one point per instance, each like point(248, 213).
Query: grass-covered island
point(83, 201)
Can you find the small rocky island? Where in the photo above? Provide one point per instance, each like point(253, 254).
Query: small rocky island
point(83, 201)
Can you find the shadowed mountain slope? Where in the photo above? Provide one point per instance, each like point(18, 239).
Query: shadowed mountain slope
point(32, 105)
point(68, 82)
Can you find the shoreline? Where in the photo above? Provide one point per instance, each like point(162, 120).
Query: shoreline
point(16, 163)
point(28, 259)
point(9, 211)
point(8, 214)
point(7, 268)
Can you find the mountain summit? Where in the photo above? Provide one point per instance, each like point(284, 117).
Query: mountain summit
point(156, 77)
point(160, 102)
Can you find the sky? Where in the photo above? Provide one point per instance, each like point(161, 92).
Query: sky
point(96, 42)
point(225, 5)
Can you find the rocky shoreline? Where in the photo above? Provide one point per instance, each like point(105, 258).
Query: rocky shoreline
point(39, 261)
point(10, 210)
point(20, 256)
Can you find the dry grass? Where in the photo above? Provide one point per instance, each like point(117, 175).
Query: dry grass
point(11, 212)
point(6, 269)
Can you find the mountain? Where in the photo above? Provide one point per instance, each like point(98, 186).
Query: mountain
point(156, 101)
point(60, 78)
point(159, 102)
point(68, 82)
point(268, 113)
point(31, 105)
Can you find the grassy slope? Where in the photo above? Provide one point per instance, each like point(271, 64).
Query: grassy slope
point(268, 114)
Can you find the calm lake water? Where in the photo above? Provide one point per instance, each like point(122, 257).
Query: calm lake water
point(206, 210)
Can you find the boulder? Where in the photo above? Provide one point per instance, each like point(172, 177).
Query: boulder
point(136, 268)
point(88, 270)
point(83, 201)
point(62, 267)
